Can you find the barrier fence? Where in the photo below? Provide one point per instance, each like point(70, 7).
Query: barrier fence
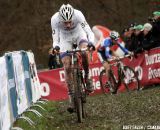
point(19, 85)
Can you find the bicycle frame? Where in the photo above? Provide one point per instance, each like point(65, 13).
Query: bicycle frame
point(78, 86)
point(125, 75)
point(120, 67)
point(120, 73)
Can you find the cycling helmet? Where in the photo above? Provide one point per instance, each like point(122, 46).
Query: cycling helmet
point(66, 12)
point(114, 35)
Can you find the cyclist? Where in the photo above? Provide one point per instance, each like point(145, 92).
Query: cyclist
point(70, 29)
point(105, 52)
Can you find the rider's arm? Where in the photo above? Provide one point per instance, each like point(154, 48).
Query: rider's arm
point(86, 27)
point(106, 45)
point(107, 54)
point(55, 30)
point(123, 48)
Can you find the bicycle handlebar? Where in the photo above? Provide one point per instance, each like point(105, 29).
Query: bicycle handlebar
point(81, 50)
point(121, 57)
point(74, 51)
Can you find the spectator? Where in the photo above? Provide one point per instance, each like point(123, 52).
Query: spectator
point(137, 41)
point(54, 59)
point(126, 34)
point(147, 39)
point(156, 28)
point(129, 36)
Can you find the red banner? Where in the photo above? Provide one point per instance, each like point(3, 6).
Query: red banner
point(146, 64)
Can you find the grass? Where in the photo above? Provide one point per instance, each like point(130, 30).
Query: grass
point(110, 112)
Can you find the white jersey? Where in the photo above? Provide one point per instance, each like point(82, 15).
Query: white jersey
point(65, 38)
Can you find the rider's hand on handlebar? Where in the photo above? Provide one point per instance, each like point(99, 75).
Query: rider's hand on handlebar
point(114, 58)
point(131, 53)
point(91, 47)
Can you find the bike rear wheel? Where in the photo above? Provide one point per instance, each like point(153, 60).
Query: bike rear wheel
point(130, 79)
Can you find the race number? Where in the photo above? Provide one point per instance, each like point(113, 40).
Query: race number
point(84, 24)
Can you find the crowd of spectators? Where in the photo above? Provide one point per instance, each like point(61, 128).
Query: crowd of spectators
point(140, 37)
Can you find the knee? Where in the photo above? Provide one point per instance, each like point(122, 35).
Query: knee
point(66, 64)
point(67, 67)
point(106, 66)
point(83, 44)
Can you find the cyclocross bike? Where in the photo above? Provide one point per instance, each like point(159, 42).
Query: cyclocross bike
point(79, 86)
point(125, 75)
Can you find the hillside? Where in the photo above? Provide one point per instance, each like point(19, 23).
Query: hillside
point(25, 24)
point(112, 112)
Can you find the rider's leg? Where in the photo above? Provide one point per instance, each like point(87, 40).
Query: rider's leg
point(106, 67)
point(103, 60)
point(85, 64)
point(68, 78)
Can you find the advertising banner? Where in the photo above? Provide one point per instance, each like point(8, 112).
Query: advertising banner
point(22, 102)
point(5, 111)
point(11, 85)
point(27, 77)
point(146, 64)
point(36, 94)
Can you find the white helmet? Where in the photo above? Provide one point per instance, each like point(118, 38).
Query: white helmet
point(114, 35)
point(66, 12)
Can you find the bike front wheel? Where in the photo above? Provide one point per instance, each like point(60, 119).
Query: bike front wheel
point(79, 105)
point(108, 85)
point(103, 82)
point(131, 80)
